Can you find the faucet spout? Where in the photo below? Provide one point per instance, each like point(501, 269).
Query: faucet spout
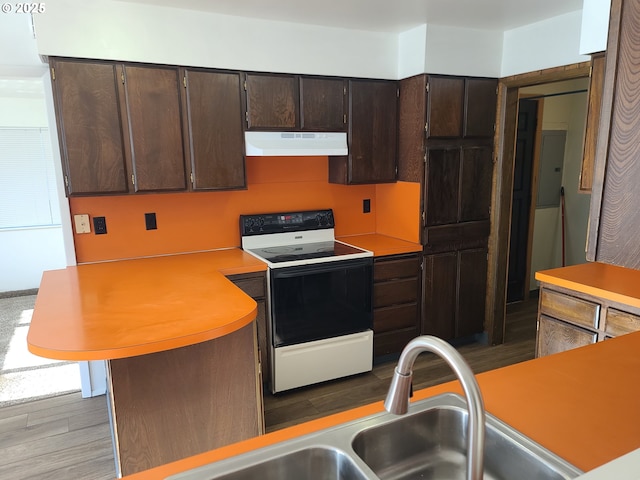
point(397, 400)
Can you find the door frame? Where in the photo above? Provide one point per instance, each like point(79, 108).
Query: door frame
point(505, 143)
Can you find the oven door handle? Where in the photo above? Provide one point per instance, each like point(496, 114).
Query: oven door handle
point(288, 272)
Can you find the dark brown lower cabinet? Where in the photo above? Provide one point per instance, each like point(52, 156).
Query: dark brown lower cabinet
point(254, 285)
point(454, 293)
point(396, 305)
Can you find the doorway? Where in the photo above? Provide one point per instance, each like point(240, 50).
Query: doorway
point(509, 94)
point(547, 163)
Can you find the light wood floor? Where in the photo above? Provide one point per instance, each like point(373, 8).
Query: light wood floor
point(67, 437)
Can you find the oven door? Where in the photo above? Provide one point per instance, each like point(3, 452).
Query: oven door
point(319, 301)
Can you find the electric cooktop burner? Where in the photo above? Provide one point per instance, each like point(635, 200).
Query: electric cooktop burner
point(304, 251)
point(290, 239)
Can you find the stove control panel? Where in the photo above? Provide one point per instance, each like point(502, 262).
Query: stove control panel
point(260, 224)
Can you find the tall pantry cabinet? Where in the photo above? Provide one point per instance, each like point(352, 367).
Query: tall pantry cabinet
point(446, 128)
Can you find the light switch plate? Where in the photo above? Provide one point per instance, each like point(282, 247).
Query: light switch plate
point(82, 223)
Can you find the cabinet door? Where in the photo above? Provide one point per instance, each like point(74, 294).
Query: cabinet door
point(442, 186)
point(91, 140)
point(472, 289)
point(439, 305)
point(155, 128)
point(454, 293)
point(445, 106)
point(372, 131)
point(323, 102)
point(216, 137)
point(272, 102)
point(481, 97)
point(476, 181)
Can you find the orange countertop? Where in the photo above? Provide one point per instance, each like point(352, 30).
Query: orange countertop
point(381, 245)
point(613, 283)
point(580, 404)
point(126, 308)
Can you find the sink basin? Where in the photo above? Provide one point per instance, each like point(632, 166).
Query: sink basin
point(432, 444)
point(428, 442)
point(313, 463)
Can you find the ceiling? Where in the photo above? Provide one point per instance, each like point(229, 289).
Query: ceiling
point(386, 15)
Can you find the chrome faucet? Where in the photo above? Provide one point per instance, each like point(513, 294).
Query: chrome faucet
point(397, 400)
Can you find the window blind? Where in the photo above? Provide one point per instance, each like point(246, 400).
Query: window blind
point(28, 196)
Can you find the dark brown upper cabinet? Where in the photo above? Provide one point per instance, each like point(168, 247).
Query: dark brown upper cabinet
point(323, 103)
point(292, 102)
point(481, 97)
point(89, 127)
point(614, 218)
point(272, 101)
point(214, 125)
point(461, 107)
point(445, 107)
point(119, 126)
point(153, 110)
point(372, 135)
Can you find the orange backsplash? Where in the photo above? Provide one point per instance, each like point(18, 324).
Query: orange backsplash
point(398, 210)
point(189, 222)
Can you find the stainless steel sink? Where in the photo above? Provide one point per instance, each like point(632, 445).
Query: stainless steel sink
point(428, 443)
point(431, 444)
point(314, 463)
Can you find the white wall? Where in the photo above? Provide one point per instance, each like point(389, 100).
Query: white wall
point(137, 32)
point(550, 43)
point(146, 33)
point(463, 51)
point(26, 252)
point(412, 51)
point(595, 26)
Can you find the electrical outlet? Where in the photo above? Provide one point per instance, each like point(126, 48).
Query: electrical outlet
point(150, 221)
point(366, 205)
point(82, 223)
point(100, 225)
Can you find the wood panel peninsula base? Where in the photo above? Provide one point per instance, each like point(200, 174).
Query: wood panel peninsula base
point(585, 304)
point(180, 343)
point(169, 405)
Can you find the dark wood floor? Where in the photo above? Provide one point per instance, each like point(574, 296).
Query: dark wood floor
point(67, 437)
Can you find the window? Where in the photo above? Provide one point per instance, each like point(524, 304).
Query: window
point(28, 196)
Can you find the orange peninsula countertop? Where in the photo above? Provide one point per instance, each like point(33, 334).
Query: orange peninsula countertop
point(610, 282)
point(381, 245)
point(133, 307)
point(579, 404)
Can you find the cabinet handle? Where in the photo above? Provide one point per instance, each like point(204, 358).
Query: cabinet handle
point(53, 73)
point(133, 181)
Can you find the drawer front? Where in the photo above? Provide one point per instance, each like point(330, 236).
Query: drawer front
point(619, 323)
point(393, 318)
point(400, 268)
point(571, 309)
point(395, 292)
point(555, 336)
point(254, 287)
point(393, 342)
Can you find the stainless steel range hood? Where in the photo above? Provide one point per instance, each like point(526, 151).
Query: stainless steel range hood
point(270, 144)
